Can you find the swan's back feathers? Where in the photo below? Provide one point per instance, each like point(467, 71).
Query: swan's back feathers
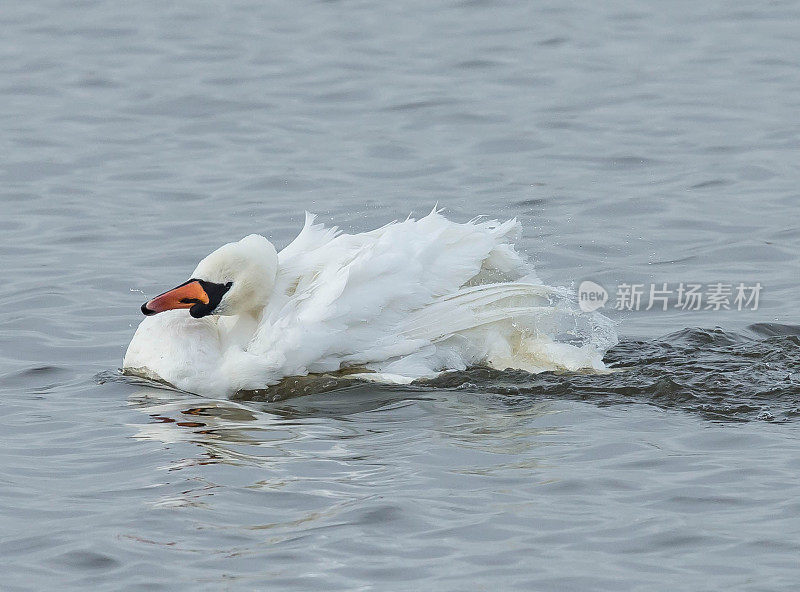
point(359, 299)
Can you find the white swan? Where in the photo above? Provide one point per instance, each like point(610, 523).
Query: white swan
point(407, 300)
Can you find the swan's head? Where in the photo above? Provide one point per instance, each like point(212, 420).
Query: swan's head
point(236, 279)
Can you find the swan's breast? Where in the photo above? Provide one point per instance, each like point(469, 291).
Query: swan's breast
point(178, 349)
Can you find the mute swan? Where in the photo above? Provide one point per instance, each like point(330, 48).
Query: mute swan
point(407, 300)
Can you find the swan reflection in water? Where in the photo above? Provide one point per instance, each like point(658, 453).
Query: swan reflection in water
point(325, 414)
point(323, 459)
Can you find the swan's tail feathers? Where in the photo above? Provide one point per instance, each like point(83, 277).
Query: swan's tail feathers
point(528, 326)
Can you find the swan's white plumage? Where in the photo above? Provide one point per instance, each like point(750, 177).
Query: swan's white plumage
point(406, 300)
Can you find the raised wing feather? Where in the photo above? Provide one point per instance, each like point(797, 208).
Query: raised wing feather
point(343, 299)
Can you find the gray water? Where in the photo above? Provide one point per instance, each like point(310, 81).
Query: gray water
point(637, 142)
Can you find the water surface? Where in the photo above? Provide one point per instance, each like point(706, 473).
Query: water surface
point(636, 143)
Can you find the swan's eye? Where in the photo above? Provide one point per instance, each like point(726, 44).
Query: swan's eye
point(228, 285)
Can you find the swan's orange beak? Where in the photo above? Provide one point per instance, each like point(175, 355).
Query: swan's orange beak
point(184, 296)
